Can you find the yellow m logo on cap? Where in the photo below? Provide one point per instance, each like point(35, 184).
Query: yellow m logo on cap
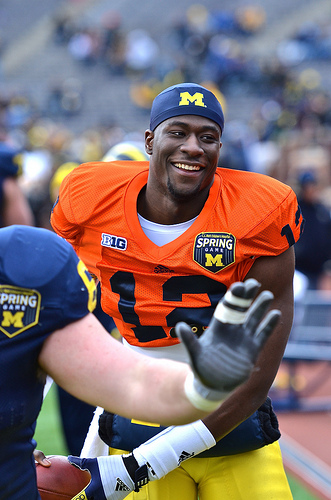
point(186, 98)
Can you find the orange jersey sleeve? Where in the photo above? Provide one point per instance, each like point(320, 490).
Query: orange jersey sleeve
point(85, 201)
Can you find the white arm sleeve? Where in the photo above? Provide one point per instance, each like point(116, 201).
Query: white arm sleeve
point(167, 450)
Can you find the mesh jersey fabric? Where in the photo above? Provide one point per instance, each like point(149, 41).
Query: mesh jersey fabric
point(147, 289)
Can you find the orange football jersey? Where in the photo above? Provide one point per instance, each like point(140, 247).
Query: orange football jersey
point(147, 289)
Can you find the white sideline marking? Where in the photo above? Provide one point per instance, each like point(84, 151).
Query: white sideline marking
point(306, 465)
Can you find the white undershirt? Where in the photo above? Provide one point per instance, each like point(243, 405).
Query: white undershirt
point(160, 235)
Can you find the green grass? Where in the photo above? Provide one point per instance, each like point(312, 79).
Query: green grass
point(298, 491)
point(49, 433)
point(50, 440)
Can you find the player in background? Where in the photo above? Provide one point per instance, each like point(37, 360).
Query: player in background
point(127, 150)
point(167, 239)
point(47, 327)
point(15, 208)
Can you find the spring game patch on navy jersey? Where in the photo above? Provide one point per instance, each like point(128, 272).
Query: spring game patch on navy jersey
point(19, 309)
point(214, 251)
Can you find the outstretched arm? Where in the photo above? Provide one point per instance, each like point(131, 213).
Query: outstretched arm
point(88, 363)
point(233, 340)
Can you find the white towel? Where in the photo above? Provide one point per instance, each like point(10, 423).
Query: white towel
point(94, 446)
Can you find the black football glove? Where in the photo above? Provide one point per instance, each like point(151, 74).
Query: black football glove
point(224, 356)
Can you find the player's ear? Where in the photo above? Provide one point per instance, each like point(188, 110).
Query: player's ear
point(149, 136)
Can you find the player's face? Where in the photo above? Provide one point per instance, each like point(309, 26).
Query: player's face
point(184, 155)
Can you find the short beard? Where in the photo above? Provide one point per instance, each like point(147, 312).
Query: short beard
point(179, 195)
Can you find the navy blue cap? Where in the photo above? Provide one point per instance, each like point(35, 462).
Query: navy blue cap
point(186, 99)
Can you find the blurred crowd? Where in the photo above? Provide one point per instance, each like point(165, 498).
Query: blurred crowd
point(288, 136)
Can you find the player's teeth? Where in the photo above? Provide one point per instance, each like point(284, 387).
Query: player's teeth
point(187, 167)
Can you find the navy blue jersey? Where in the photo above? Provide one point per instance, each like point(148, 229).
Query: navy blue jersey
point(43, 287)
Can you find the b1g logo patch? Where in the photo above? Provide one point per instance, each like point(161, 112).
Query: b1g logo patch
point(214, 251)
point(19, 309)
point(111, 241)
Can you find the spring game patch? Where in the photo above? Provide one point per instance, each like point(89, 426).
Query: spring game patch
point(214, 251)
point(19, 309)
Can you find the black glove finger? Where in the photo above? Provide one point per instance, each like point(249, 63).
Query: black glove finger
point(187, 337)
point(267, 326)
point(246, 290)
point(257, 311)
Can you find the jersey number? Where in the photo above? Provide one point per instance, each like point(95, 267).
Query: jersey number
point(287, 231)
point(123, 283)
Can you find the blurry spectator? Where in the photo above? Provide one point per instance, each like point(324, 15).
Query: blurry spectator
point(84, 46)
point(65, 98)
point(19, 111)
point(250, 19)
point(87, 147)
point(54, 99)
point(237, 137)
point(113, 41)
point(141, 52)
point(314, 247)
point(64, 27)
point(36, 169)
point(15, 208)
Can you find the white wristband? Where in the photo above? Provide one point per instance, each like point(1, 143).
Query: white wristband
point(167, 450)
point(115, 479)
point(196, 399)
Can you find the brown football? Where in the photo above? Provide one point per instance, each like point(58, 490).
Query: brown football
point(60, 481)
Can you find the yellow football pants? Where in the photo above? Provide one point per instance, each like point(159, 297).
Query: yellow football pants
point(255, 475)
